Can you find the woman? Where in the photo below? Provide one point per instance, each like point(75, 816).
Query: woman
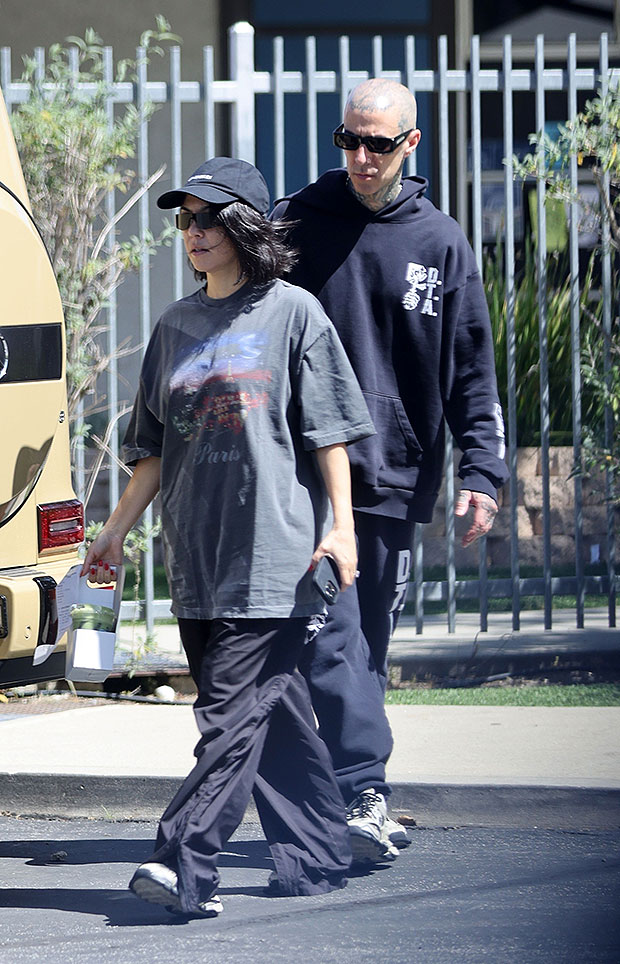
point(245, 405)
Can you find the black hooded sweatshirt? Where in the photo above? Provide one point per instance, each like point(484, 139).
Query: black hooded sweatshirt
point(403, 290)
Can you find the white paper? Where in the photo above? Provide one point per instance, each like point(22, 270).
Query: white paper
point(67, 593)
point(66, 596)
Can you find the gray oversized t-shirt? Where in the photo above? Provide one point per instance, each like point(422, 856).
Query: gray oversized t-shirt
point(234, 395)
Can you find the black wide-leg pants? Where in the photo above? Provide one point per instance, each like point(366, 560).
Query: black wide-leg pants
point(257, 735)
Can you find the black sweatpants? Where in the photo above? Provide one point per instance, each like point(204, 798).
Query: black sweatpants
point(257, 735)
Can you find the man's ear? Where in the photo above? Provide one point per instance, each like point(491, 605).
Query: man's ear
point(412, 142)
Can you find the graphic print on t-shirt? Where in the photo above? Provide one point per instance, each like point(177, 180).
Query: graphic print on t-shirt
point(218, 383)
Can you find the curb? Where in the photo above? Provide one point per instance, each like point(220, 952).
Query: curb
point(68, 796)
point(480, 667)
point(451, 665)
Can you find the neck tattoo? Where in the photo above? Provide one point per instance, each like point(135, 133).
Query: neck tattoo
point(376, 202)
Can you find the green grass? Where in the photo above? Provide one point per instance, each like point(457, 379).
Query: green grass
point(591, 694)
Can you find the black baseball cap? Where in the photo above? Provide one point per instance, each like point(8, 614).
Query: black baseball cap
point(222, 180)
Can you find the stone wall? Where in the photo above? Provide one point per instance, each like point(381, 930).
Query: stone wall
point(530, 517)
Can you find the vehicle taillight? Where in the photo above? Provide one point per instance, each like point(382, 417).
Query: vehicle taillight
point(60, 524)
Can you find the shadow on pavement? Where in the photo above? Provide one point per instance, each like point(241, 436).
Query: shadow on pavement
point(37, 853)
point(119, 908)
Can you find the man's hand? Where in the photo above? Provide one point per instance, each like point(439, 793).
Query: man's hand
point(485, 510)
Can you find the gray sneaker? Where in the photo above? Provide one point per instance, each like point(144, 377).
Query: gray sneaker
point(396, 833)
point(366, 816)
point(158, 884)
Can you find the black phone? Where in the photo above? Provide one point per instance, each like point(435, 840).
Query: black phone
point(326, 579)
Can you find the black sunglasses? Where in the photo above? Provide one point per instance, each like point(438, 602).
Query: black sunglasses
point(347, 141)
point(203, 219)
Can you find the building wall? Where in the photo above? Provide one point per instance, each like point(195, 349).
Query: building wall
point(118, 23)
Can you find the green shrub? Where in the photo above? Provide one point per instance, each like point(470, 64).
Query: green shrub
point(527, 342)
point(591, 138)
point(73, 154)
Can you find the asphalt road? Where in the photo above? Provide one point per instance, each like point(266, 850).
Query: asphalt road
point(456, 895)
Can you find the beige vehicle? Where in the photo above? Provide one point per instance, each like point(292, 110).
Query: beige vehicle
point(41, 521)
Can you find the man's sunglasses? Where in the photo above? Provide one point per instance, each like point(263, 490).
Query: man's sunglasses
point(347, 141)
point(203, 219)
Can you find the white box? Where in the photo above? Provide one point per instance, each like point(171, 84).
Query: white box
point(90, 652)
point(90, 655)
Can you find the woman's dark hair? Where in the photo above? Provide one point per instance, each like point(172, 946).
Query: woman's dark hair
point(261, 245)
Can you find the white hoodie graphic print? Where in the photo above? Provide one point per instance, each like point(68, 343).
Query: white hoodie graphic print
point(422, 280)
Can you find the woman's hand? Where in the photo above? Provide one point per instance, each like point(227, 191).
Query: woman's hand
point(340, 540)
point(340, 545)
point(107, 549)
point(103, 555)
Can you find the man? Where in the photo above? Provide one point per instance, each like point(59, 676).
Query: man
point(399, 281)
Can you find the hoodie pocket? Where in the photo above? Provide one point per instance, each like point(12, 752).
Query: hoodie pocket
point(392, 456)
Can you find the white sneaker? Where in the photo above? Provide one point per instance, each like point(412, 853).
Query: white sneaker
point(209, 908)
point(273, 884)
point(158, 884)
point(366, 816)
point(396, 833)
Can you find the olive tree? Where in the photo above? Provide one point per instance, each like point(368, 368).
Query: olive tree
point(74, 152)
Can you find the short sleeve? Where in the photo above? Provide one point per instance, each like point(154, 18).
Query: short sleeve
point(332, 406)
point(144, 435)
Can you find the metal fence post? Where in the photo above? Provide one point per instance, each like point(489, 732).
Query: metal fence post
point(607, 329)
point(176, 162)
point(113, 339)
point(511, 348)
point(541, 261)
point(444, 203)
point(575, 339)
point(145, 312)
point(241, 54)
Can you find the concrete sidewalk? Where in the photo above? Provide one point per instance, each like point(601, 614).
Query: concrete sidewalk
point(466, 656)
point(451, 764)
point(519, 746)
point(467, 652)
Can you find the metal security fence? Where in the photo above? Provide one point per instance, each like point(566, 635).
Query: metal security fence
point(455, 107)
